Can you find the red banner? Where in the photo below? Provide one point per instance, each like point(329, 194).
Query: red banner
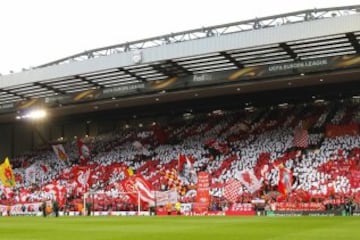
point(160, 134)
point(287, 206)
point(341, 130)
point(203, 195)
point(241, 207)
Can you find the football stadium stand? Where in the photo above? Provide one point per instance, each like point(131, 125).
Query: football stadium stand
point(259, 116)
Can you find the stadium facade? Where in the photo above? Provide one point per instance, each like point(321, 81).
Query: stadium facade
point(282, 58)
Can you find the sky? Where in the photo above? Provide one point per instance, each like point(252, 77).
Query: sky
point(34, 32)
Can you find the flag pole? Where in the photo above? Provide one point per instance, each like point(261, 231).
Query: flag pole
point(177, 176)
point(138, 192)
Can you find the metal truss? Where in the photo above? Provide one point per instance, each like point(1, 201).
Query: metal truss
point(218, 30)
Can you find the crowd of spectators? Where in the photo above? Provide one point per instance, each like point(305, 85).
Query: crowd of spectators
point(224, 145)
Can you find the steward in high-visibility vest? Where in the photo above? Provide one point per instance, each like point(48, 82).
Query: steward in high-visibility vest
point(178, 208)
point(168, 208)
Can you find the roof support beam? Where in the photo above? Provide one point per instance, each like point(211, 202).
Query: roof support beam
point(232, 60)
point(14, 93)
point(89, 81)
point(171, 69)
point(288, 50)
point(49, 87)
point(131, 74)
point(354, 41)
point(182, 69)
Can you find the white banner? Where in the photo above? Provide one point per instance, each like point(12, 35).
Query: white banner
point(17, 209)
point(162, 198)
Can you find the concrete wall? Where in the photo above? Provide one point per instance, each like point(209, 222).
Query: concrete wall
point(72, 129)
point(6, 141)
point(23, 137)
point(20, 137)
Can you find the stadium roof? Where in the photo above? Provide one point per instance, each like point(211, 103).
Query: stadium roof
point(280, 39)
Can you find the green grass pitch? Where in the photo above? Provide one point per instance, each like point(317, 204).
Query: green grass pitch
point(172, 228)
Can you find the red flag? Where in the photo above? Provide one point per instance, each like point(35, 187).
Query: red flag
point(138, 185)
point(184, 160)
point(82, 176)
point(249, 180)
point(301, 138)
point(44, 168)
point(181, 161)
point(84, 152)
point(172, 179)
point(231, 190)
point(60, 152)
point(285, 181)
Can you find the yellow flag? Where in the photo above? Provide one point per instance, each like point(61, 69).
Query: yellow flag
point(130, 171)
point(6, 174)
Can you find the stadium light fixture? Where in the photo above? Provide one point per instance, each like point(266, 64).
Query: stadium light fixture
point(218, 112)
point(283, 105)
point(319, 101)
point(188, 115)
point(37, 114)
point(33, 115)
point(249, 109)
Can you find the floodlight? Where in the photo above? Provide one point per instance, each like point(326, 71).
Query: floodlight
point(36, 114)
point(33, 115)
